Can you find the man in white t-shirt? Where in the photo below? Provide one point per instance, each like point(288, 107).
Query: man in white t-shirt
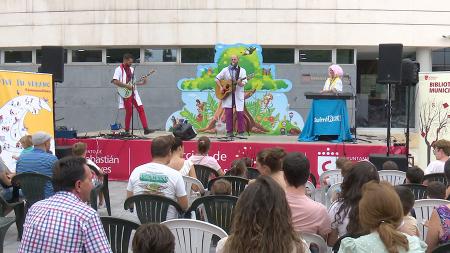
point(441, 150)
point(157, 178)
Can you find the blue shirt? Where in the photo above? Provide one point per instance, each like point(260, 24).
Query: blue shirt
point(39, 161)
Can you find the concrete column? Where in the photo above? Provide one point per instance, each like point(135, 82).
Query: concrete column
point(423, 56)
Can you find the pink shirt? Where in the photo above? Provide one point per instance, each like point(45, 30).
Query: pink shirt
point(307, 215)
point(205, 160)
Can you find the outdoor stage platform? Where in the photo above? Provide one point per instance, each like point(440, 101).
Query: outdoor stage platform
point(119, 157)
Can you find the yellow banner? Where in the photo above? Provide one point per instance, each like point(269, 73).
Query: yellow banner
point(26, 106)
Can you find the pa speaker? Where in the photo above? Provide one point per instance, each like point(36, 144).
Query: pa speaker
point(390, 63)
point(53, 62)
point(410, 72)
point(379, 159)
point(184, 131)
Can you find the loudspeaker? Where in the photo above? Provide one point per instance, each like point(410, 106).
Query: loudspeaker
point(184, 131)
point(379, 159)
point(410, 72)
point(389, 63)
point(53, 62)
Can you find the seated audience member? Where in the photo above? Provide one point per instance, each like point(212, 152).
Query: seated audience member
point(438, 227)
point(447, 176)
point(238, 169)
point(307, 215)
point(344, 212)
point(389, 165)
point(26, 144)
point(436, 190)
point(5, 180)
point(409, 224)
point(253, 230)
point(248, 162)
point(38, 160)
point(269, 163)
point(202, 157)
point(380, 213)
point(441, 150)
point(342, 164)
point(177, 162)
point(159, 179)
point(63, 222)
point(414, 175)
point(152, 237)
point(221, 187)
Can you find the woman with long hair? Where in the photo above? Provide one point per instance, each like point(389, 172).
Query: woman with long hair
point(344, 212)
point(380, 213)
point(202, 157)
point(177, 162)
point(269, 163)
point(262, 222)
point(238, 169)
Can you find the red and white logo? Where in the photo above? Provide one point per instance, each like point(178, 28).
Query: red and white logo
point(326, 160)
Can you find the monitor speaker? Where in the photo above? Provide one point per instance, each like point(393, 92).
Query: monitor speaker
point(379, 159)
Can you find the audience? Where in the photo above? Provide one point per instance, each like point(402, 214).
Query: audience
point(202, 157)
point(447, 176)
point(414, 175)
point(389, 165)
point(344, 212)
point(441, 150)
point(152, 237)
point(5, 180)
point(380, 213)
point(268, 163)
point(438, 227)
point(409, 224)
point(238, 169)
point(248, 162)
point(436, 190)
point(157, 178)
point(63, 222)
point(261, 222)
point(307, 214)
point(221, 187)
point(27, 145)
point(39, 159)
point(177, 162)
point(342, 164)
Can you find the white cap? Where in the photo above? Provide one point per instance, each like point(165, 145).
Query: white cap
point(40, 137)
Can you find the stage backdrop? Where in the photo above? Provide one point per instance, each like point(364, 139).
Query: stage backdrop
point(26, 106)
point(120, 157)
point(432, 112)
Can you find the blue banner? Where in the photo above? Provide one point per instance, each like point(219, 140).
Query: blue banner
point(327, 117)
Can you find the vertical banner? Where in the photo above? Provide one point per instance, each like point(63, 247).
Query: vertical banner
point(26, 106)
point(432, 112)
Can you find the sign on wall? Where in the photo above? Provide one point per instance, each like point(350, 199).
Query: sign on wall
point(26, 106)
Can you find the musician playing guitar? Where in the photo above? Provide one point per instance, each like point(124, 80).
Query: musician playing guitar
point(122, 76)
point(236, 99)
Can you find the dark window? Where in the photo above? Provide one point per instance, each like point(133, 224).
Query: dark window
point(115, 55)
point(39, 56)
point(315, 56)
point(441, 59)
point(197, 55)
point(84, 55)
point(278, 55)
point(161, 55)
point(345, 56)
point(18, 56)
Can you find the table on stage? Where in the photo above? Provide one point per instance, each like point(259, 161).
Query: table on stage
point(328, 116)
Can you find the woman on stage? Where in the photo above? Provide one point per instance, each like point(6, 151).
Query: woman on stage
point(333, 83)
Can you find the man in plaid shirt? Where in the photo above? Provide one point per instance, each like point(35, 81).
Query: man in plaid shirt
point(64, 222)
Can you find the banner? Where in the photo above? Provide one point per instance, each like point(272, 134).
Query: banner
point(432, 112)
point(26, 106)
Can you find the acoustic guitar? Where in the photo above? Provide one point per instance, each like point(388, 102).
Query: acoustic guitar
point(125, 92)
point(228, 86)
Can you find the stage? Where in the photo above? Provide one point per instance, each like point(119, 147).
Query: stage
point(119, 157)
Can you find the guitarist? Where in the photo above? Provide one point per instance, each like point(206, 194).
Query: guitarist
point(122, 76)
point(236, 99)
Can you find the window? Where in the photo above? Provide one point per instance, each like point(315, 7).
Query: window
point(116, 55)
point(278, 55)
point(161, 55)
point(315, 56)
point(84, 55)
point(345, 56)
point(18, 56)
point(197, 55)
point(39, 56)
point(441, 59)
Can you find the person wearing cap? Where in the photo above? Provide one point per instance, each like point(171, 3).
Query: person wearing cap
point(39, 160)
point(333, 83)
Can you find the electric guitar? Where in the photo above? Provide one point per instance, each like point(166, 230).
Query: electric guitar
point(228, 86)
point(125, 92)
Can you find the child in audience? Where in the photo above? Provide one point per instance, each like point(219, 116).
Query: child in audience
point(342, 164)
point(414, 175)
point(248, 162)
point(151, 237)
point(221, 187)
point(436, 190)
point(409, 224)
point(238, 169)
point(26, 144)
point(389, 165)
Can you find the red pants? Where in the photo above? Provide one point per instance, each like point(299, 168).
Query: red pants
point(128, 104)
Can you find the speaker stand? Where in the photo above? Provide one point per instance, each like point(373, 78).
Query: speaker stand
point(389, 111)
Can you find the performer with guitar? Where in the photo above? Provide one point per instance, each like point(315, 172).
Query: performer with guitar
point(237, 75)
point(123, 78)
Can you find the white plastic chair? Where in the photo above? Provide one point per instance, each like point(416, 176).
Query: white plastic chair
point(192, 195)
point(310, 190)
point(395, 177)
point(329, 194)
point(193, 235)
point(334, 176)
point(423, 209)
point(316, 239)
